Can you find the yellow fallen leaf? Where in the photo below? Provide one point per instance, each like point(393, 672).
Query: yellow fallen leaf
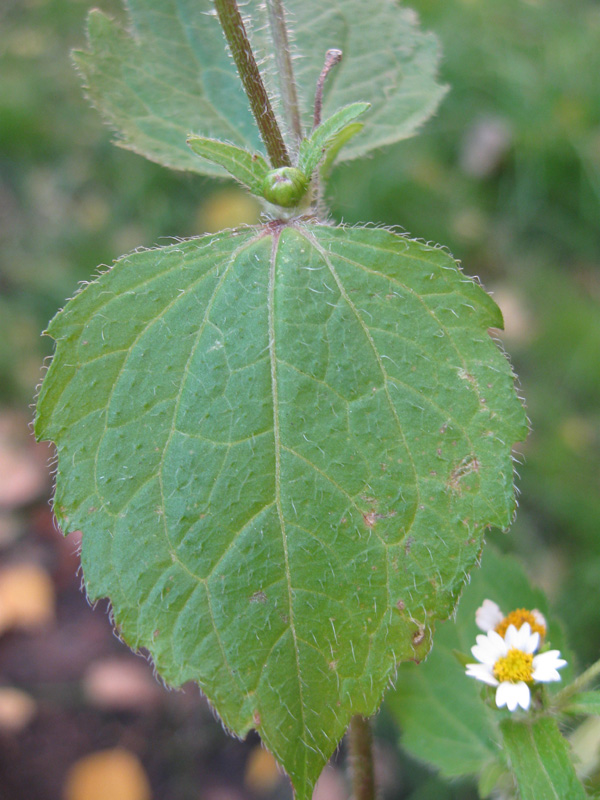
point(26, 597)
point(107, 775)
point(262, 773)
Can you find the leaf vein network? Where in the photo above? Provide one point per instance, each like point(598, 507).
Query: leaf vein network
point(141, 333)
point(316, 244)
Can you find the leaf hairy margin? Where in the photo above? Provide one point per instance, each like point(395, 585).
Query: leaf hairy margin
point(168, 75)
point(283, 445)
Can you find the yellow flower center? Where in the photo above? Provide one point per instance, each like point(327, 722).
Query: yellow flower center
point(515, 666)
point(517, 618)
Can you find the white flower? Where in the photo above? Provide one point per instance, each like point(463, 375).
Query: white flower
point(507, 662)
point(489, 617)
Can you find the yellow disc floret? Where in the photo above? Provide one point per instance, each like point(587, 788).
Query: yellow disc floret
point(515, 666)
point(517, 618)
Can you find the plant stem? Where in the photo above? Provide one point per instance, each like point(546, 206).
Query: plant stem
point(237, 38)
point(360, 741)
point(577, 685)
point(283, 57)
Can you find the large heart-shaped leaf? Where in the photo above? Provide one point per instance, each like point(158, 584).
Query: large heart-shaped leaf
point(171, 76)
point(283, 445)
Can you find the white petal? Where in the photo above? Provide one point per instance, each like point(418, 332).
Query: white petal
point(539, 618)
point(522, 639)
point(482, 673)
point(511, 637)
point(546, 675)
point(498, 643)
point(488, 616)
point(512, 695)
point(550, 655)
point(503, 694)
point(484, 654)
point(545, 666)
point(518, 638)
point(532, 643)
point(489, 648)
point(523, 694)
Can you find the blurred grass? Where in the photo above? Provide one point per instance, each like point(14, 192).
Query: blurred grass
point(507, 175)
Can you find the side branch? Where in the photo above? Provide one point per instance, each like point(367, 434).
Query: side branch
point(283, 57)
point(237, 38)
point(332, 57)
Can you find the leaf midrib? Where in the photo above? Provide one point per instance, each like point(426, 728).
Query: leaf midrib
point(278, 446)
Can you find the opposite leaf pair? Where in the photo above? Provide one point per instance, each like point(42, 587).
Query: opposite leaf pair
point(285, 186)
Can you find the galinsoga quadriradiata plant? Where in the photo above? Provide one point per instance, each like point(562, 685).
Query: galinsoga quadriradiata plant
point(283, 443)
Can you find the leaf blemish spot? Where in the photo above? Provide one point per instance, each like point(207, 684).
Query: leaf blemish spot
point(466, 467)
point(259, 597)
point(418, 636)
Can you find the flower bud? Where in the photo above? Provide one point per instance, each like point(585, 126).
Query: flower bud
point(285, 186)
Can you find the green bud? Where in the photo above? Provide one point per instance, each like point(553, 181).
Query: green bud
point(285, 186)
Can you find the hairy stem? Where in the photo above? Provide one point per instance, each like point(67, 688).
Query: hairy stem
point(590, 674)
point(239, 44)
point(283, 57)
point(360, 741)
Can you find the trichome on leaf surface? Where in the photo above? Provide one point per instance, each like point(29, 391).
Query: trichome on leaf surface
point(283, 443)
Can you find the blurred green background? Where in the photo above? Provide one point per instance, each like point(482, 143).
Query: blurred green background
point(507, 176)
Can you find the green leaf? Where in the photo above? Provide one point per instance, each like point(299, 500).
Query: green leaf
point(250, 169)
point(283, 445)
point(584, 703)
point(493, 776)
point(540, 759)
point(167, 74)
point(336, 145)
point(313, 149)
point(443, 718)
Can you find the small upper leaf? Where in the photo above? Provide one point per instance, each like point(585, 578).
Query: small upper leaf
point(336, 144)
point(171, 75)
point(283, 445)
point(250, 169)
point(313, 149)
